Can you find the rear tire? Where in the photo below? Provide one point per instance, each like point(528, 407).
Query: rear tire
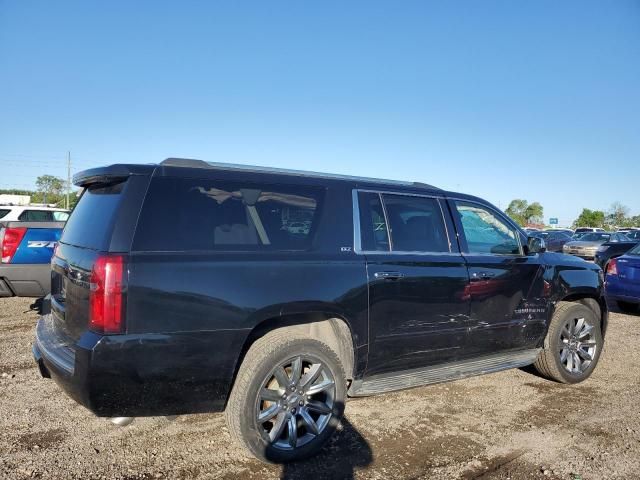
point(628, 307)
point(573, 344)
point(288, 397)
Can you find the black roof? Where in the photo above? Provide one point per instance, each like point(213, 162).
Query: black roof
point(193, 163)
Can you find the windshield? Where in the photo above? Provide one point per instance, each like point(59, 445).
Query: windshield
point(595, 237)
point(539, 234)
point(635, 250)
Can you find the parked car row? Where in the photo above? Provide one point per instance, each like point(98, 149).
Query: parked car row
point(617, 253)
point(554, 239)
point(587, 245)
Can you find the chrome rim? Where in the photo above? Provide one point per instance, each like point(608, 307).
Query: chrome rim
point(577, 345)
point(295, 402)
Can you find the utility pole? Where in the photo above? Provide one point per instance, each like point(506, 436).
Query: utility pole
point(68, 179)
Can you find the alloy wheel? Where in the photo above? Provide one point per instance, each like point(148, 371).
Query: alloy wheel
point(295, 402)
point(577, 345)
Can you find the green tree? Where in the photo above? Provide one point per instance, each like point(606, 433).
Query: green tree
point(524, 213)
point(534, 213)
point(590, 218)
point(50, 186)
point(516, 211)
point(617, 215)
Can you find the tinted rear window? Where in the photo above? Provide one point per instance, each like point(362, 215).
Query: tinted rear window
point(193, 214)
point(91, 222)
point(3, 213)
point(36, 216)
point(416, 224)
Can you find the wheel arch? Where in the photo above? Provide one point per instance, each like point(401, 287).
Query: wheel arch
point(592, 300)
point(334, 330)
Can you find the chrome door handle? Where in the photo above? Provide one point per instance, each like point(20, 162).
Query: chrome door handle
point(475, 276)
point(388, 275)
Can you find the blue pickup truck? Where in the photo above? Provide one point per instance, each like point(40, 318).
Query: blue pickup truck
point(26, 249)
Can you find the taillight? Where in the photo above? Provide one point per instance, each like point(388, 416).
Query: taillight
point(612, 267)
point(106, 298)
point(10, 240)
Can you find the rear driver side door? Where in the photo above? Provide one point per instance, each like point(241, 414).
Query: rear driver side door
point(417, 281)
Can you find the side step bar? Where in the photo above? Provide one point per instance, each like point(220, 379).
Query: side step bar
point(389, 382)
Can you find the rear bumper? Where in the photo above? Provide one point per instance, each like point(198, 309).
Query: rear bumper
point(140, 375)
point(25, 280)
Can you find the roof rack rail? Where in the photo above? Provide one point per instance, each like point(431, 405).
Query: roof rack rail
point(194, 163)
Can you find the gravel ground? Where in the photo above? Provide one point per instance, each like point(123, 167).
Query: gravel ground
point(512, 424)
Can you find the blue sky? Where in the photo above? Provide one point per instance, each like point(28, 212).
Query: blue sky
point(534, 100)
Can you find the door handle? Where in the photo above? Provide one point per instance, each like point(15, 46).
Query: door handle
point(388, 275)
point(477, 276)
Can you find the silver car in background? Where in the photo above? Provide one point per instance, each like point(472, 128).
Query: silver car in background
point(587, 246)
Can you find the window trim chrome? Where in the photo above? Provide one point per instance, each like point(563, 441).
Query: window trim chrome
point(386, 222)
point(357, 234)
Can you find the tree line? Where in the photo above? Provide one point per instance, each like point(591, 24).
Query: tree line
point(525, 213)
point(50, 190)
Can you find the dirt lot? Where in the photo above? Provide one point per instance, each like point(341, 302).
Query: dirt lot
point(511, 424)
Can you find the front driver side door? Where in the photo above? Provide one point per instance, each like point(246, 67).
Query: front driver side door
point(508, 305)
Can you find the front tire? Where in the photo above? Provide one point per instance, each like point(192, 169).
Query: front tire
point(288, 397)
point(573, 344)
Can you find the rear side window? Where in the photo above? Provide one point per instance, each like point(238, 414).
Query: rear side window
point(195, 214)
point(3, 212)
point(416, 224)
point(36, 216)
point(485, 232)
point(91, 222)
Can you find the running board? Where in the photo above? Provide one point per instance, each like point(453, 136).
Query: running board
point(389, 382)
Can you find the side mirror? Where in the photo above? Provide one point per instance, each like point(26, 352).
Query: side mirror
point(536, 245)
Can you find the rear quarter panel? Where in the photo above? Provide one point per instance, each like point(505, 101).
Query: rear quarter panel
point(201, 308)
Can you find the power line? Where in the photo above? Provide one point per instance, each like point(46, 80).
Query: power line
point(24, 155)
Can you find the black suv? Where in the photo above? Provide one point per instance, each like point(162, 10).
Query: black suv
point(274, 295)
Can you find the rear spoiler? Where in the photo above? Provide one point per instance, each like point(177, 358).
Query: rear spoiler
point(110, 174)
